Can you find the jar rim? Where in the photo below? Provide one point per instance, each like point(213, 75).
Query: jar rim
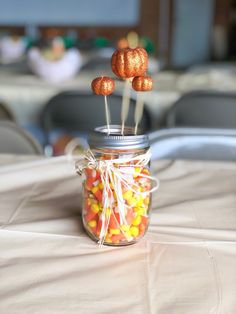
point(99, 138)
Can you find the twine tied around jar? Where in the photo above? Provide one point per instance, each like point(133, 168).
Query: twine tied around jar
point(117, 173)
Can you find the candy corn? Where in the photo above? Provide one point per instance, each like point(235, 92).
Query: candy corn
point(119, 229)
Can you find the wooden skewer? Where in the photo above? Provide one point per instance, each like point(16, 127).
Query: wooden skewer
point(108, 119)
point(125, 104)
point(138, 110)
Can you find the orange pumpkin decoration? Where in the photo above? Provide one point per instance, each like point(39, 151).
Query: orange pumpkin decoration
point(129, 62)
point(142, 83)
point(103, 85)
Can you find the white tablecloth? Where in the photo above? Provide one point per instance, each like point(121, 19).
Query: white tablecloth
point(185, 264)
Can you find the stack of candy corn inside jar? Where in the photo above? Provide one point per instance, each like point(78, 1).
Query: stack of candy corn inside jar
point(136, 203)
point(118, 183)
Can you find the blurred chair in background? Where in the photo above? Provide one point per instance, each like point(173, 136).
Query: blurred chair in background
point(5, 112)
point(211, 109)
point(98, 60)
point(77, 112)
point(194, 144)
point(213, 67)
point(14, 140)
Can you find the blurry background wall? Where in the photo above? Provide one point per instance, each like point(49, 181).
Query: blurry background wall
point(191, 45)
point(69, 12)
point(183, 32)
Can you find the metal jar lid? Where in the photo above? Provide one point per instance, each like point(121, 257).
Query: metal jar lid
point(115, 140)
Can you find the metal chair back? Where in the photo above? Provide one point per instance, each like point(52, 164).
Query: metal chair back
point(194, 144)
point(204, 109)
point(5, 112)
point(15, 140)
point(76, 111)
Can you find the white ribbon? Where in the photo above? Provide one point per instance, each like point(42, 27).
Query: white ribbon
point(116, 172)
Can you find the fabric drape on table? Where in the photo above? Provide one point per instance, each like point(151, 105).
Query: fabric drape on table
point(185, 263)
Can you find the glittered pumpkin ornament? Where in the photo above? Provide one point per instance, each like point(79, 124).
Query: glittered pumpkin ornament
point(140, 84)
point(104, 86)
point(127, 63)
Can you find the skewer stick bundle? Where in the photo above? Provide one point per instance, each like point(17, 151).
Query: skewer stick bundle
point(125, 104)
point(126, 64)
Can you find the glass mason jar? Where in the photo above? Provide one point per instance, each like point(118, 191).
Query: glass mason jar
point(116, 188)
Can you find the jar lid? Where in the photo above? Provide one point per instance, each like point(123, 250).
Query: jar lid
point(99, 138)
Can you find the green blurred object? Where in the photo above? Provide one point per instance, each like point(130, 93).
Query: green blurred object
point(29, 42)
point(68, 42)
point(148, 44)
point(101, 42)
